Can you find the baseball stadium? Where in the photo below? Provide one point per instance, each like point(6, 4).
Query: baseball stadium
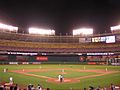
point(86, 61)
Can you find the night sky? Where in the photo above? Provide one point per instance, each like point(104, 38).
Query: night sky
point(61, 15)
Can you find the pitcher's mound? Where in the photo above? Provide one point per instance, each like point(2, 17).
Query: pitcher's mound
point(62, 73)
point(66, 80)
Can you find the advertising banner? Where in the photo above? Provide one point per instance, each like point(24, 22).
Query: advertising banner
point(41, 58)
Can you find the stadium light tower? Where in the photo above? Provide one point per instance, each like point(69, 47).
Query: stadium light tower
point(10, 28)
point(115, 28)
point(83, 31)
point(41, 31)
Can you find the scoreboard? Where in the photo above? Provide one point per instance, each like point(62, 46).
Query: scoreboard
point(106, 39)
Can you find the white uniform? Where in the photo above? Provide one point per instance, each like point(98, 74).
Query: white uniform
point(59, 76)
point(4, 70)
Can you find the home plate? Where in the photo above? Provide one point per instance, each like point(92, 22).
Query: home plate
point(67, 80)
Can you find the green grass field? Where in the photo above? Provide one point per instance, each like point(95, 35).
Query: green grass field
point(24, 80)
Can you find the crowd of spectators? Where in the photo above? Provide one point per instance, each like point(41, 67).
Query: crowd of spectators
point(16, 87)
point(39, 87)
point(111, 87)
point(56, 45)
point(21, 40)
point(9, 87)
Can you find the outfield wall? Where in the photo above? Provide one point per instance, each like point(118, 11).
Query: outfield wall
point(38, 59)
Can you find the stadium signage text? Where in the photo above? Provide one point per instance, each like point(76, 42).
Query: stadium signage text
point(21, 53)
point(100, 53)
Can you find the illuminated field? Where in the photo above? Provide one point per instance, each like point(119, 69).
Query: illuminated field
point(47, 75)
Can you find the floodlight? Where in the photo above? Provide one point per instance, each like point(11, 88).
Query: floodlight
point(115, 27)
point(8, 27)
point(83, 31)
point(41, 31)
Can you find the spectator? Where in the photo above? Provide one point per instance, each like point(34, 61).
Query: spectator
point(98, 88)
point(11, 87)
point(1, 87)
point(16, 87)
point(105, 88)
point(38, 87)
point(29, 87)
point(112, 87)
point(4, 88)
point(32, 87)
point(91, 88)
point(48, 89)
